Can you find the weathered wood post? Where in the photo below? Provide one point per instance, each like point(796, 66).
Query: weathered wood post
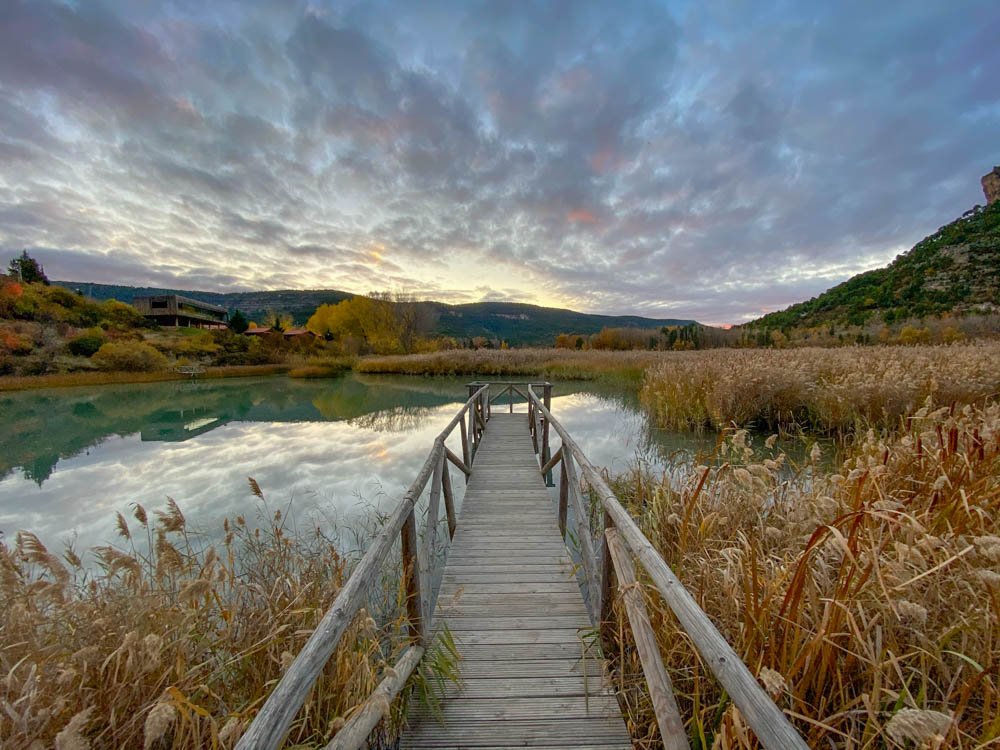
point(466, 448)
point(607, 577)
point(473, 442)
point(563, 495)
point(429, 550)
point(411, 577)
point(546, 452)
point(449, 497)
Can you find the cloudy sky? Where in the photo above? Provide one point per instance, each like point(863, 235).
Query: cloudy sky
point(701, 159)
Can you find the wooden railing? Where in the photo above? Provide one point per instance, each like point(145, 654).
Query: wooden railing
point(622, 541)
point(269, 727)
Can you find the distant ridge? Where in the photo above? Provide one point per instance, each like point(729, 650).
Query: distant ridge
point(516, 323)
point(955, 270)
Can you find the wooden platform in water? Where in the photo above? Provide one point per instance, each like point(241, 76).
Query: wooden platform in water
point(511, 600)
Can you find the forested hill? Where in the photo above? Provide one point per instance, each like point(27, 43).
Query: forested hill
point(955, 270)
point(517, 324)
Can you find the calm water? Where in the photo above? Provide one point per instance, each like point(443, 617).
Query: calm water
point(328, 452)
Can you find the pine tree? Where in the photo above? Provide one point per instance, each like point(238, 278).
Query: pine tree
point(27, 269)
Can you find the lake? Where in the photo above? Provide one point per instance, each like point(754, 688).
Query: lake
point(331, 452)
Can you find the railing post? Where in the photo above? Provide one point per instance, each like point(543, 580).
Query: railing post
point(546, 451)
point(563, 494)
point(661, 690)
point(449, 497)
point(411, 577)
point(430, 540)
point(607, 564)
point(473, 443)
point(466, 448)
point(510, 398)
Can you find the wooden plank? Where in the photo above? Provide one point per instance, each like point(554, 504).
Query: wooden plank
point(510, 599)
point(661, 690)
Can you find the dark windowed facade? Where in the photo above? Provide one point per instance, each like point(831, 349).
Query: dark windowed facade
point(176, 311)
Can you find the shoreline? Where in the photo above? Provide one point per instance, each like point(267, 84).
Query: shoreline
point(72, 379)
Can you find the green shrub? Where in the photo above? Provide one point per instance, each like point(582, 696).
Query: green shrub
point(131, 356)
point(87, 343)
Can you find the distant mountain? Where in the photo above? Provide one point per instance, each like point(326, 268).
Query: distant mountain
point(955, 270)
point(300, 304)
point(517, 324)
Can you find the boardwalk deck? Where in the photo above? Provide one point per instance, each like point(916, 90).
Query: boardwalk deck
point(510, 599)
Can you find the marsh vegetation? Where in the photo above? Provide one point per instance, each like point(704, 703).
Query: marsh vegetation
point(859, 580)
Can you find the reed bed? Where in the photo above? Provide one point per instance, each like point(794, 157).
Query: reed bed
point(165, 644)
point(865, 599)
point(71, 379)
point(818, 390)
point(507, 363)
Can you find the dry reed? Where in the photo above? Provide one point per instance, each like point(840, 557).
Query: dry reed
point(502, 363)
point(825, 390)
point(168, 646)
point(866, 600)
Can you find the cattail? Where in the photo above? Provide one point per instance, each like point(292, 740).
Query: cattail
point(32, 549)
point(158, 722)
point(912, 613)
point(772, 681)
point(168, 559)
point(122, 526)
point(918, 726)
point(171, 519)
point(255, 488)
point(231, 731)
point(71, 737)
point(195, 590)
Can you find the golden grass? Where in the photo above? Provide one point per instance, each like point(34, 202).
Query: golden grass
point(175, 647)
point(327, 367)
point(70, 379)
point(510, 363)
point(825, 390)
point(866, 600)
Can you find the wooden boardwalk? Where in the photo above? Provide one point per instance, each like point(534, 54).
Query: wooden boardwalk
point(511, 600)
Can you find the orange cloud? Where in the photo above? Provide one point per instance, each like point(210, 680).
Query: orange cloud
point(581, 216)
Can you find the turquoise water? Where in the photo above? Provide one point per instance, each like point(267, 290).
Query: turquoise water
point(330, 452)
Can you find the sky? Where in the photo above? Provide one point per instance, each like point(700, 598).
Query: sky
point(708, 160)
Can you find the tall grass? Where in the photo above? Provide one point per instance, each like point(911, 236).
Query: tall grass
point(70, 379)
point(166, 643)
point(866, 600)
point(825, 390)
point(516, 363)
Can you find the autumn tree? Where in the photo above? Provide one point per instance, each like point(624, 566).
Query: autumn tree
point(388, 324)
point(278, 321)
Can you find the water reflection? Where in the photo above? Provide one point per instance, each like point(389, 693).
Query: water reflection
point(333, 451)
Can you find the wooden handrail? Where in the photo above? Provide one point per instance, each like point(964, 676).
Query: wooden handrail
point(768, 722)
point(268, 729)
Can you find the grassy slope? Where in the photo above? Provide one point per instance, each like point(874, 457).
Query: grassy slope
point(956, 269)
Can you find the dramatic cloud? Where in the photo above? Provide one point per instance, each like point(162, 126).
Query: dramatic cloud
point(709, 160)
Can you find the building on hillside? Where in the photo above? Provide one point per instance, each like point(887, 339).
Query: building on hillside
point(176, 311)
point(290, 333)
point(298, 333)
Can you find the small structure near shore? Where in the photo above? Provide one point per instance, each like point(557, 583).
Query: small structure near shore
point(175, 311)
